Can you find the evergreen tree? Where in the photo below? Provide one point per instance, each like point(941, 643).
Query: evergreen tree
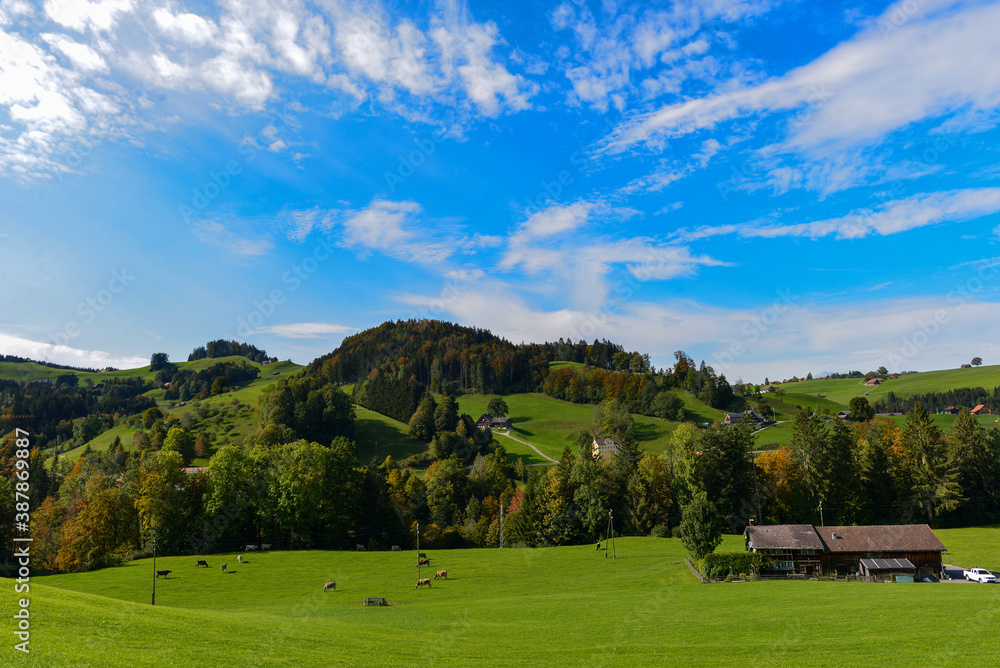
point(935, 487)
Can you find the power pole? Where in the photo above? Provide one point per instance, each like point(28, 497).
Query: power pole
point(154, 571)
point(503, 543)
point(821, 514)
point(418, 551)
point(610, 538)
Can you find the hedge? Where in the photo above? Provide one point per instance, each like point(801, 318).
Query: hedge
point(718, 564)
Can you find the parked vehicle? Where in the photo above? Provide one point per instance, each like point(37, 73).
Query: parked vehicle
point(980, 575)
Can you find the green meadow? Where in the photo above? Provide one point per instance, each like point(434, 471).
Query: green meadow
point(550, 607)
point(842, 390)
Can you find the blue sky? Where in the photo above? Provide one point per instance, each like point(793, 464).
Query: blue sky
point(777, 187)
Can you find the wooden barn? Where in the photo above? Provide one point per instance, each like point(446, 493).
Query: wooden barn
point(839, 550)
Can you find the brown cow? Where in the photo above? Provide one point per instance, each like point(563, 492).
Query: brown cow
point(423, 581)
point(441, 574)
point(201, 562)
point(163, 573)
point(421, 555)
point(424, 562)
point(224, 567)
point(330, 585)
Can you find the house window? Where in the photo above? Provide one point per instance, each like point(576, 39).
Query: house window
point(784, 565)
point(808, 552)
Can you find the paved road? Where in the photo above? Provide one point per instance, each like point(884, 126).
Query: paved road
point(956, 573)
point(540, 453)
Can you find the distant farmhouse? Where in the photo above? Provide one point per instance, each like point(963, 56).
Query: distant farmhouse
point(981, 410)
point(605, 448)
point(874, 382)
point(951, 410)
point(751, 417)
point(877, 553)
point(496, 424)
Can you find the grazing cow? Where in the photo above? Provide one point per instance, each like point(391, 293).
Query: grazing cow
point(201, 562)
point(361, 548)
point(251, 548)
point(423, 581)
point(441, 574)
point(330, 585)
point(395, 548)
point(224, 567)
point(239, 558)
point(421, 555)
point(265, 546)
point(598, 546)
point(424, 562)
point(163, 573)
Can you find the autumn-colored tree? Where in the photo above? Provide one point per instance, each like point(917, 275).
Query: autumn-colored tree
point(778, 478)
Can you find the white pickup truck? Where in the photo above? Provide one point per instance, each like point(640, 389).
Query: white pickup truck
point(980, 575)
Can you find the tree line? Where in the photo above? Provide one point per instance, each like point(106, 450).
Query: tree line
point(935, 402)
point(223, 348)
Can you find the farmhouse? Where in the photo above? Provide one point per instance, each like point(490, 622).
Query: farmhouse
point(981, 410)
point(951, 410)
point(844, 415)
point(874, 382)
point(733, 418)
point(496, 424)
point(839, 550)
point(605, 448)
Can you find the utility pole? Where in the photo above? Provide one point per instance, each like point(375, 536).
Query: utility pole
point(757, 488)
point(154, 571)
point(418, 551)
point(610, 538)
point(503, 543)
point(821, 514)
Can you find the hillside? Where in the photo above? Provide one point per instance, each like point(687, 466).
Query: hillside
point(503, 607)
point(842, 390)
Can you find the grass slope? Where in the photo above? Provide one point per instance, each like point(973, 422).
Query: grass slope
point(843, 389)
point(378, 435)
point(555, 606)
point(552, 424)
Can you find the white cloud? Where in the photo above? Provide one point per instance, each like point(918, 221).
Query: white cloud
point(80, 56)
point(391, 228)
point(82, 15)
point(48, 352)
point(188, 28)
point(305, 330)
point(893, 217)
point(663, 47)
point(857, 92)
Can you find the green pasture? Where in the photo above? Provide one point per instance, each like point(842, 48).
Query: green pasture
point(549, 607)
point(378, 435)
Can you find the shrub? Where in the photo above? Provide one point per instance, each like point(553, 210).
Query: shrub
point(724, 564)
point(660, 531)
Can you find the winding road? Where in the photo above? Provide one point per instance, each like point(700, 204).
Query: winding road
point(539, 452)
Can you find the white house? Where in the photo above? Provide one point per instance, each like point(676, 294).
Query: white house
point(605, 448)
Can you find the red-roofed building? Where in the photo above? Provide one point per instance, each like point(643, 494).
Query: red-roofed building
point(981, 409)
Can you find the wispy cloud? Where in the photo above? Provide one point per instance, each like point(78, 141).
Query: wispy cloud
point(892, 217)
point(851, 98)
point(305, 330)
point(216, 233)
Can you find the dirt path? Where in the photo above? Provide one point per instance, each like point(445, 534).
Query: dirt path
point(539, 452)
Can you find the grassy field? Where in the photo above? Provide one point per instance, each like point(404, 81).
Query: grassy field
point(842, 390)
point(781, 434)
point(377, 435)
point(555, 606)
point(552, 424)
point(972, 548)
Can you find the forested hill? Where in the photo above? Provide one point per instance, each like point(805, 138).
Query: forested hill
point(437, 354)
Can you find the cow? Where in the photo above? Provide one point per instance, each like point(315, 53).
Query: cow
point(441, 574)
point(598, 546)
point(163, 573)
point(224, 567)
point(424, 562)
point(239, 558)
point(201, 562)
point(361, 548)
point(395, 548)
point(421, 555)
point(265, 546)
point(251, 548)
point(330, 585)
point(423, 581)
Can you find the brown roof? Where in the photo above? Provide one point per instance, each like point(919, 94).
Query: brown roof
point(783, 536)
point(892, 538)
